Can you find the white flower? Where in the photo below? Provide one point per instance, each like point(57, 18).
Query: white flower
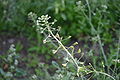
point(12, 48)
point(104, 6)
point(12, 67)
point(34, 76)
point(37, 23)
point(44, 41)
point(78, 3)
point(16, 62)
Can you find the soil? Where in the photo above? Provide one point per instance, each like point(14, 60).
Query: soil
point(6, 41)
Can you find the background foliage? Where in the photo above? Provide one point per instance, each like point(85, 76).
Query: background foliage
point(92, 23)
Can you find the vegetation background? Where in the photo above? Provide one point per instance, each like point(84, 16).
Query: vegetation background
point(94, 24)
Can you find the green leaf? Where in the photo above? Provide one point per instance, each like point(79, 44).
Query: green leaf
point(55, 64)
point(2, 72)
point(20, 72)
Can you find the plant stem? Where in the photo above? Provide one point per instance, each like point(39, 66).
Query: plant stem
point(118, 50)
point(63, 46)
point(95, 31)
point(103, 53)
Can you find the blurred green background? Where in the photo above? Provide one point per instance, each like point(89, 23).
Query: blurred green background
point(80, 19)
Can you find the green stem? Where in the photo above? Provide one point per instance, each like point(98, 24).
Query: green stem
point(118, 50)
point(103, 53)
point(95, 31)
point(63, 47)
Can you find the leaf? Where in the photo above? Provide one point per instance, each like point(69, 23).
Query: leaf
point(20, 72)
point(63, 16)
point(33, 49)
point(2, 72)
point(55, 64)
point(9, 74)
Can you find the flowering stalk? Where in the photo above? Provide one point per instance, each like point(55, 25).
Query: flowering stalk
point(62, 46)
point(45, 27)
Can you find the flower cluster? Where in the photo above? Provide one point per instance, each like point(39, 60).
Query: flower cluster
point(12, 56)
point(9, 64)
point(43, 20)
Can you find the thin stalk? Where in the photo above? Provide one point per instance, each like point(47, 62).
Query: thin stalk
point(60, 43)
point(63, 47)
point(118, 50)
point(101, 72)
point(39, 41)
point(95, 31)
point(106, 75)
point(89, 9)
point(103, 53)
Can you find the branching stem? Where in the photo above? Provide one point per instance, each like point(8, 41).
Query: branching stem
point(60, 43)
